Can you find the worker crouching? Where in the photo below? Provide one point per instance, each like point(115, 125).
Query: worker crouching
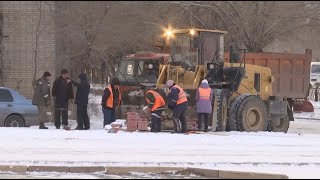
point(156, 104)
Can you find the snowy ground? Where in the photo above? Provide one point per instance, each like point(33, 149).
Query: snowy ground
point(296, 153)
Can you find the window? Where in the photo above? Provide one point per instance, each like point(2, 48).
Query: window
point(130, 68)
point(315, 69)
point(5, 96)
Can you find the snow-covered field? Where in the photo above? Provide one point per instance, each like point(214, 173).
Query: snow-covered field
point(296, 153)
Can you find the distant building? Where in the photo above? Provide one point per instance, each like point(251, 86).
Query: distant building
point(19, 22)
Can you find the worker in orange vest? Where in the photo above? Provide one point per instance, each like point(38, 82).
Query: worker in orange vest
point(178, 102)
point(110, 100)
point(156, 104)
point(204, 98)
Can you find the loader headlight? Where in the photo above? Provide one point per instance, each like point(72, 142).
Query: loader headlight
point(192, 32)
point(210, 66)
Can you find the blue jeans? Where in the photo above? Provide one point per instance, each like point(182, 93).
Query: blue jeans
point(109, 116)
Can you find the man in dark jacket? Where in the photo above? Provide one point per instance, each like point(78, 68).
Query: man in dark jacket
point(82, 98)
point(110, 100)
point(62, 92)
point(42, 97)
point(177, 101)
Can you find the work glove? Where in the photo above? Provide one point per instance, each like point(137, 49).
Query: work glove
point(145, 108)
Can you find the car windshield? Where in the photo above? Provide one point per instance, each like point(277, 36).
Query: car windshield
point(315, 69)
point(140, 70)
point(183, 51)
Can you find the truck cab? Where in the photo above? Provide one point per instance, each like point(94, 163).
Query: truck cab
point(315, 74)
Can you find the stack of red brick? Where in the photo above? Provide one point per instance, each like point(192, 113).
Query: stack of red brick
point(135, 122)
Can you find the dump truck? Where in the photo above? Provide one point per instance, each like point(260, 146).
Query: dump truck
point(136, 70)
point(253, 91)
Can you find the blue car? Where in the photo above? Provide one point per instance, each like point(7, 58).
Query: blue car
point(16, 110)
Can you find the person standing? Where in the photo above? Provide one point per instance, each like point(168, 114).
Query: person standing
point(62, 92)
point(178, 102)
point(156, 104)
point(42, 97)
point(81, 100)
point(204, 98)
point(110, 100)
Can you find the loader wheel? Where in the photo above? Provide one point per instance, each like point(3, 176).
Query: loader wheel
point(232, 121)
point(280, 124)
point(222, 111)
point(252, 115)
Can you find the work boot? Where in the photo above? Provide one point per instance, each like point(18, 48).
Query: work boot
point(66, 127)
point(42, 126)
point(79, 128)
point(86, 128)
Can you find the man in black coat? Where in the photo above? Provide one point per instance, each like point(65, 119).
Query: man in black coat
point(82, 98)
point(62, 92)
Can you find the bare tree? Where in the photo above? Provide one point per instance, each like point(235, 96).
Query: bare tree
point(41, 27)
point(254, 24)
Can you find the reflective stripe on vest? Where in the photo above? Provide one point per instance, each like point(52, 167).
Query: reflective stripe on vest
point(204, 93)
point(182, 95)
point(159, 101)
point(110, 99)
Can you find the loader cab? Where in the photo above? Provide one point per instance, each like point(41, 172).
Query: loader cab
point(196, 47)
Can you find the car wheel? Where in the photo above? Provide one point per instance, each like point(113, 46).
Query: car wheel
point(14, 121)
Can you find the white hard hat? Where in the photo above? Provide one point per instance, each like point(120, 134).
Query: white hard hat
point(170, 83)
point(204, 81)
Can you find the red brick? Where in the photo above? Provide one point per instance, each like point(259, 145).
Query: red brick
point(131, 117)
point(132, 113)
point(143, 125)
point(132, 125)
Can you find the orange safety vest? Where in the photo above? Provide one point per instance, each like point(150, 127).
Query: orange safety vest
point(182, 95)
point(110, 99)
point(159, 102)
point(204, 93)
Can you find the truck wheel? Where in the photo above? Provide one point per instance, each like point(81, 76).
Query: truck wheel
point(222, 111)
point(253, 115)
point(280, 124)
point(14, 121)
point(232, 121)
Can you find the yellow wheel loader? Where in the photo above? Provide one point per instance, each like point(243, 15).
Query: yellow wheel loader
point(244, 99)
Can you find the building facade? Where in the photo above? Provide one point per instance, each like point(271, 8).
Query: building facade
point(27, 38)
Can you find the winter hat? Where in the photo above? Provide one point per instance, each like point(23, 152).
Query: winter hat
point(115, 81)
point(46, 74)
point(64, 71)
point(204, 81)
point(83, 76)
point(170, 83)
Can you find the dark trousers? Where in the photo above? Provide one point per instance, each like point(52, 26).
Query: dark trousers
point(156, 121)
point(109, 116)
point(179, 121)
point(59, 111)
point(206, 120)
point(82, 116)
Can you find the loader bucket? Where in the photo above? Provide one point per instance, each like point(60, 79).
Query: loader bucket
point(303, 106)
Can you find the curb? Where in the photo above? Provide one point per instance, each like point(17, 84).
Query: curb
point(210, 173)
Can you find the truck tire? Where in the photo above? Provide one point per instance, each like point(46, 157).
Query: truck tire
point(280, 124)
point(232, 121)
point(252, 115)
point(222, 111)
